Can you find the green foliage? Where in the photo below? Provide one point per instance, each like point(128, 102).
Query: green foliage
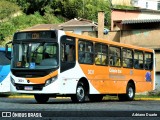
point(70, 9)
point(53, 11)
point(7, 9)
point(31, 6)
point(87, 9)
point(124, 7)
point(48, 11)
point(50, 17)
point(21, 22)
point(23, 4)
point(8, 28)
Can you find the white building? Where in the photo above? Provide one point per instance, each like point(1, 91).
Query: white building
point(77, 26)
point(146, 4)
point(142, 4)
point(121, 2)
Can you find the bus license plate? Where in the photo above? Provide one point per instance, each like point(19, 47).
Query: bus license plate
point(28, 88)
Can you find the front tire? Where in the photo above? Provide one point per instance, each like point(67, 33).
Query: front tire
point(40, 98)
point(81, 93)
point(130, 93)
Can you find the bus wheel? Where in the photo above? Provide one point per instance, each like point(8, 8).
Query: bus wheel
point(95, 98)
point(130, 93)
point(80, 93)
point(40, 98)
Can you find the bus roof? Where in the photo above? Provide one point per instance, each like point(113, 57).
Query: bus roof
point(96, 40)
point(109, 42)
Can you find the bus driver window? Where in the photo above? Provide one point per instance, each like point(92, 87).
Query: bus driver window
point(85, 52)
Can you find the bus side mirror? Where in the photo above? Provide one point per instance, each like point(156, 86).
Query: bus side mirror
point(8, 50)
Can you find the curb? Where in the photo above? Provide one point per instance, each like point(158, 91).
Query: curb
point(145, 99)
point(21, 96)
point(31, 96)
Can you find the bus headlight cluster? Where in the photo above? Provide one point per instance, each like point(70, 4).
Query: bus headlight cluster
point(51, 80)
point(12, 81)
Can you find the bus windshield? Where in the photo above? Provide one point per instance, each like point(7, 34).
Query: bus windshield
point(28, 55)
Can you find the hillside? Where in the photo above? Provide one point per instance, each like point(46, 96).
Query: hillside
point(46, 12)
point(14, 19)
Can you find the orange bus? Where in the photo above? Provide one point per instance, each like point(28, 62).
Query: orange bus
point(51, 63)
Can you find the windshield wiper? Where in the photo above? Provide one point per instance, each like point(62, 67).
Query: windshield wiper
point(41, 44)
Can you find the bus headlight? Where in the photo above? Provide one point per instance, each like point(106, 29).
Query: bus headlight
point(51, 80)
point(12, 81)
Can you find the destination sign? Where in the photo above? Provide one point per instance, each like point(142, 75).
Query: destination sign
point(35, 35)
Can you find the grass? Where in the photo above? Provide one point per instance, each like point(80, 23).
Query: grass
point(137, 97)
point(147, 96)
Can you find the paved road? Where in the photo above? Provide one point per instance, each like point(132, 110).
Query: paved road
point(65, 108)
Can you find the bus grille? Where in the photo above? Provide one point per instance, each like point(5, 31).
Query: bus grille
point(35, 87)
point(30, 74)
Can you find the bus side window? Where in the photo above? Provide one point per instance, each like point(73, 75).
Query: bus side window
point(138, 60)
point(81, 54)
point(148, 61)
point(127, 58)
point(114, 56)
point(85, 52)
point(141, 57)
point(136, 64)
point(100, 54)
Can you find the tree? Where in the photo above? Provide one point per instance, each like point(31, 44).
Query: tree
point(49, 16)
point(23, 4)
point(7, 9)
point(1, 37)
point(31, 6)
point(70, 9)
point(87, 9)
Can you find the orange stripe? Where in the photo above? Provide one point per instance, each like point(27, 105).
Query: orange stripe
point(42, 80)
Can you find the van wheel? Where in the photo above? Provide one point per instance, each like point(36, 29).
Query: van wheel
point(130, 93)
point(81, 93)
point(40, 98)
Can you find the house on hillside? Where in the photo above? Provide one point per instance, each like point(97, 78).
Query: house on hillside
point(121, 2)
point(78, 26)
point(134, 19)
point(45, 27)
point(140, 28)
point(146, 4)
point(141, 4)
